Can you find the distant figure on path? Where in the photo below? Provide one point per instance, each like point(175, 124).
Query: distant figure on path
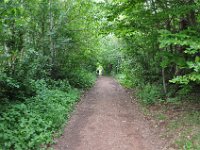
point(99, 70)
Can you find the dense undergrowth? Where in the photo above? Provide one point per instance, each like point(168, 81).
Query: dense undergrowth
point(32, 123)
point(147, 93)
point(46, 60)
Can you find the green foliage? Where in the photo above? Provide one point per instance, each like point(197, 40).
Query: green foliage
point(110, 55)
point(185, 79)
point(190, 41)
point(161, 41)
point(47, 48)
point(32, 123)
point(8, 85)
point(81, 78)
point(62, 85)
point(45, 40)
point(149, 94)
point(124, 80)
point(40, 64)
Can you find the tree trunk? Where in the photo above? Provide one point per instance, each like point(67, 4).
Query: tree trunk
point(164, 82)
point(52, 46)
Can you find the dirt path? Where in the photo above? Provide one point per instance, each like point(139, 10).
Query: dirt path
point(106, 119)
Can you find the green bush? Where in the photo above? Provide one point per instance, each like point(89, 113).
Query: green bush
point(62, 85)
point(124, 80)
point(32, 123)
point(149, 94)
point(8, 86)
point(81, 78)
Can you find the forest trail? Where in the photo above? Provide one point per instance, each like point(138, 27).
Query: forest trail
point(107, 119)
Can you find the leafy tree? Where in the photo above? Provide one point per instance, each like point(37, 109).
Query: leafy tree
point(45, 39)
point(161, 40)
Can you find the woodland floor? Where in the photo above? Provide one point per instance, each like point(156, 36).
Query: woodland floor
point(108, 119)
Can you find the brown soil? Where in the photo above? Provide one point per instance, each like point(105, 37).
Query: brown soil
point(107, 119)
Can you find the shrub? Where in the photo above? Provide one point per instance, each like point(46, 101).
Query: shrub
point(149, 94)
point(81, 78)
point(124, 80)
point(29, 124)
point(8, 86)
point(62, 85)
